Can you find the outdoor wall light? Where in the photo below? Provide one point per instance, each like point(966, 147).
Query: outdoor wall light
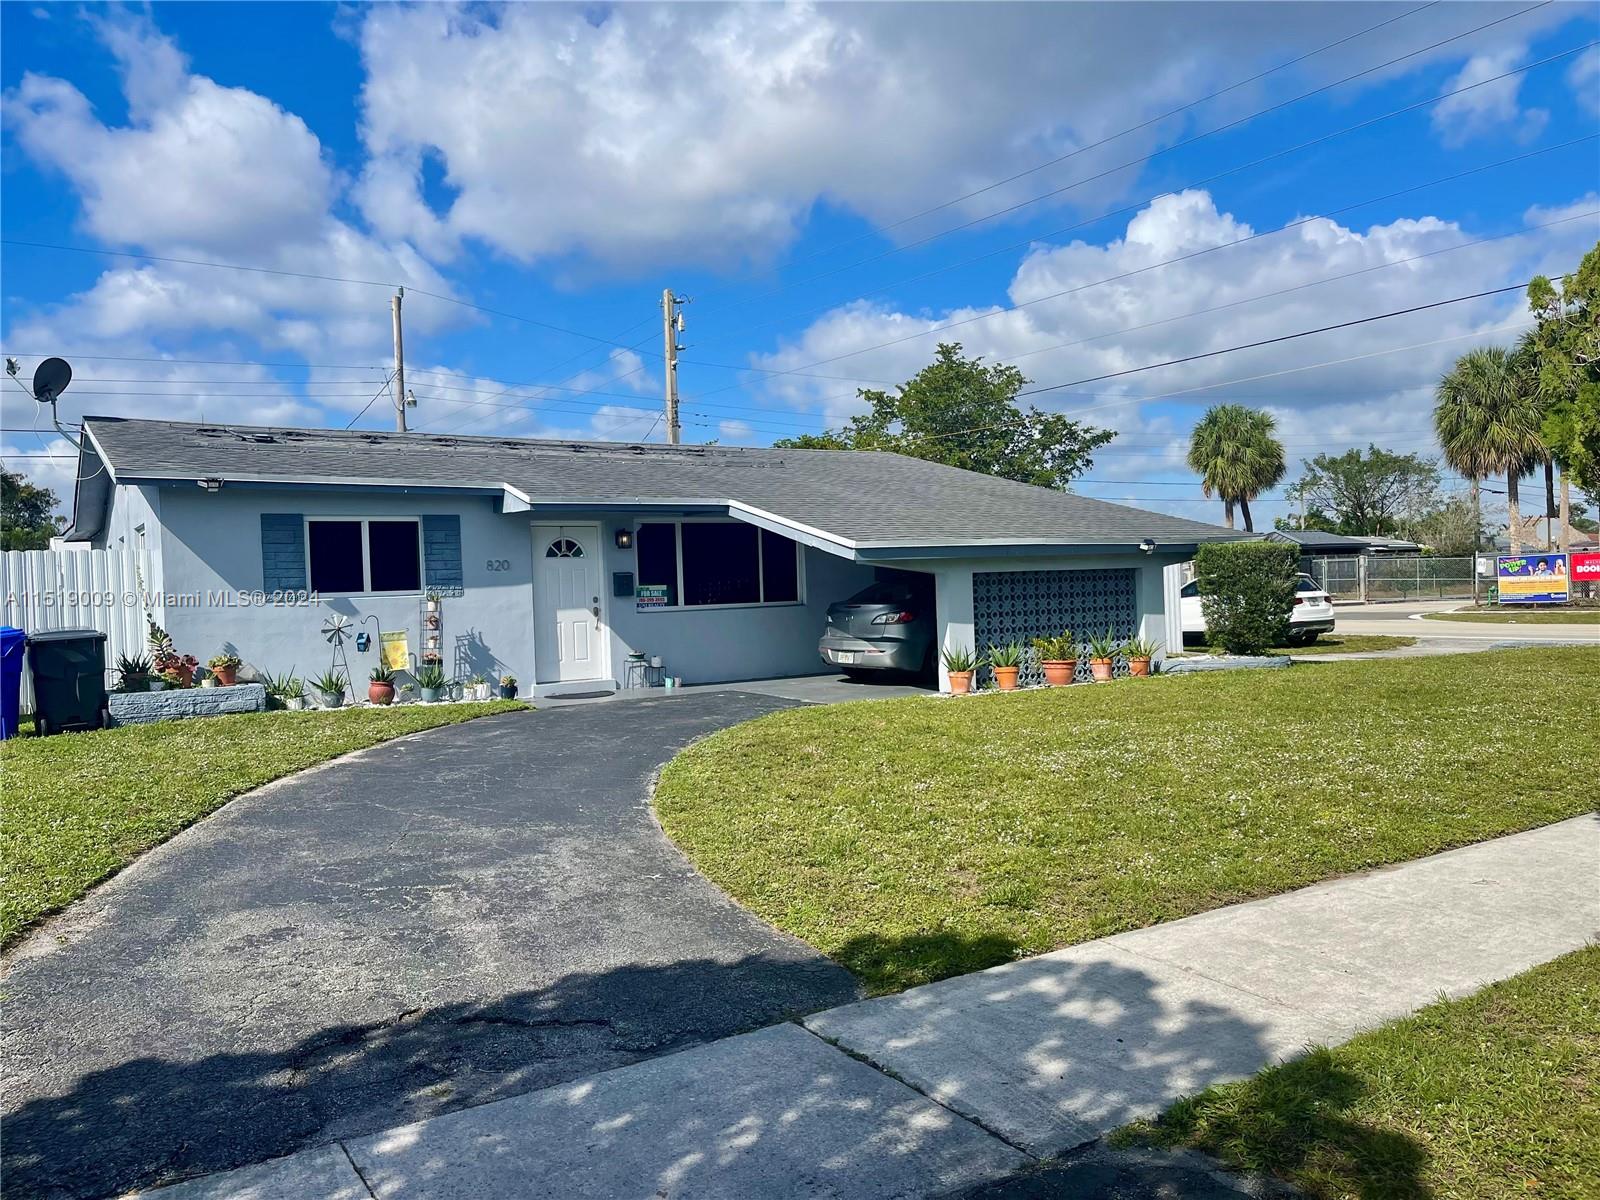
point(1148, 545)
point(212, 484)
point(624, 539)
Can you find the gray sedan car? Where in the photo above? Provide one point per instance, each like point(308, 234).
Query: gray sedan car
point(885, 627)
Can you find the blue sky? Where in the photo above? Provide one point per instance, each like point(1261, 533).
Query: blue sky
point(562, 165)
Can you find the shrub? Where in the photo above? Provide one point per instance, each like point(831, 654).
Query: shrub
point(1056, 649)
point(1247, 591)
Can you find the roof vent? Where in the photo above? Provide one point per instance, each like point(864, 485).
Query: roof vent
point(256, 437)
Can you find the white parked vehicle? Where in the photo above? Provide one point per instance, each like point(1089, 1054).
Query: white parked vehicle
point(1311, 617)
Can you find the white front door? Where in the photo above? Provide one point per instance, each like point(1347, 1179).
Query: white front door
point(567, 622)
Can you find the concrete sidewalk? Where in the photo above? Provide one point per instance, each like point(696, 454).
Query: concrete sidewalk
point(946, 1086)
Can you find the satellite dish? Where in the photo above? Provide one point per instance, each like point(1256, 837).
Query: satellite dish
point(51, 379)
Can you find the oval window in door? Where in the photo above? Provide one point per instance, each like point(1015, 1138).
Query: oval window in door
point(563, 548)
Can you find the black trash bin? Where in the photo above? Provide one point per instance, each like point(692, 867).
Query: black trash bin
point(69, 679)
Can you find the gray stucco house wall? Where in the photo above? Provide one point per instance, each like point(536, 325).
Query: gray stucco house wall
point(537, 548)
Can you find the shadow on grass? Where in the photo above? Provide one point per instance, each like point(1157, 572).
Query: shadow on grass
point(1292, 1121)
point(891, 964)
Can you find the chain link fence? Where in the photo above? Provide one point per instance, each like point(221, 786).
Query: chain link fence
point(1369, 577)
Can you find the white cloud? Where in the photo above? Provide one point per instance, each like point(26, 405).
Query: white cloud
point(1072, 326)
point(1491, 107)
point(1584, 79)
point(639, 134)
point(199, 165)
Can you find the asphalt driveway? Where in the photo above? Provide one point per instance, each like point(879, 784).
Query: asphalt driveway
point(458, 916)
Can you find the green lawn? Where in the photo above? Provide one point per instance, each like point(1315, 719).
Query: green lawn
point(79, 806)
point(1344, 643)
point(1494, 1095)
point(1512, 616)
point(914, 839)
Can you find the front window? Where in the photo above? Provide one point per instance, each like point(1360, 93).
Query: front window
point(364, 555)
point(699, 564)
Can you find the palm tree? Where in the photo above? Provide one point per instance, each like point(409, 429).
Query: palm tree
point(1487, 422)
point(1235, 452)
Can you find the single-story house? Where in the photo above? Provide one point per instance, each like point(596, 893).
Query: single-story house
point(1314, 543)
point(557, 560)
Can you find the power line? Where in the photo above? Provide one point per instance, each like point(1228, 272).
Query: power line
point(1135, 207)
point(383, 388)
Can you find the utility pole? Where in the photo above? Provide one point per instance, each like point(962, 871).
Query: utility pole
point(671, 327)
point(399, 364)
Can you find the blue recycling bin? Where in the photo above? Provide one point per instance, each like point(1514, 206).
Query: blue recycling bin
point(12, 642)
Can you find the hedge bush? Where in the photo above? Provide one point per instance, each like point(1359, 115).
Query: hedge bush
point(1247, 591)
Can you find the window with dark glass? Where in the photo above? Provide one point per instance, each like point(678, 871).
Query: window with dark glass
point(721, 563)
point(335, 556)
point(780, 569)
point(656, 549)
point(364, 556)
point(394, 556)
point(718, 562)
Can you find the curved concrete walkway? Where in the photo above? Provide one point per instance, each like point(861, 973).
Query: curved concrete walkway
point(459, 916)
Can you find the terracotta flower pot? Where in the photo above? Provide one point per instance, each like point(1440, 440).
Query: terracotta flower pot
point(226, 676)
point(1100, 668)
point(185, 675)
point(1005, 678)
point(1138, 666)
point(960, 682)
point(1058, 671)
point(380, 693)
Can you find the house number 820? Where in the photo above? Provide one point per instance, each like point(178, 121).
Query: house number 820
point(498, 564)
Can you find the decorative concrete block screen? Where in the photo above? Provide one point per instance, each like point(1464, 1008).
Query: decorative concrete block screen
point(1017, 606)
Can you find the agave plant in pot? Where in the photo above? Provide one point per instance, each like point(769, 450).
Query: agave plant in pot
point(959, 664)
point(508, 687)
point(1139, 652)
point(329, 688)
point(1102, 655)
point(286, 691)
point(1058, 658)
point(380, 685)
point(1005, 662)
point(431, 683)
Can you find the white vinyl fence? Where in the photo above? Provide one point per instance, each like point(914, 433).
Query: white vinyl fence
point(41, 590)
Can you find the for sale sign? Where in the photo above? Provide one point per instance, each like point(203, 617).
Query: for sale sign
point(1532, 578)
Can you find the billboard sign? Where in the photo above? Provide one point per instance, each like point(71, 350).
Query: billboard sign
point(1585, 566)
point(1532, 578)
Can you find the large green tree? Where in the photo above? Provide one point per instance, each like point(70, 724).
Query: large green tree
point(1487, 422)
point(1236, 453)
point(1369, 493)
point(1562, 353)
point(27, 513)
point(963, 412)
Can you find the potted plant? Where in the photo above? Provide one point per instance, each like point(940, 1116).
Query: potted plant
point(380, 688)
point(286, 691)
point(172, 679)
point(134, 672)
point(1005, 662)
point(959, 664)
point(1139, 652)
point(508, 687)
point(431, 682)
point(226, 668)
point(477, 688)
point(177, 670)
point(1058, 658)
point(330, 689)
point(1102, 655)
point(435, 602)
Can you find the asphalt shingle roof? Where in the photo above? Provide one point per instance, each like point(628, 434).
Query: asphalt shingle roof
point(865, 497)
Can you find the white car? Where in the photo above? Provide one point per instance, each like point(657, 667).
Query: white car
point(1312, 615)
